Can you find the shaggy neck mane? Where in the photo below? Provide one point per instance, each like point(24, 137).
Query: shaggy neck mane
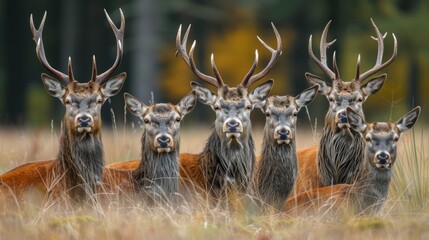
point(372, 187)
point(228, 162)
point(340, 157)
point(277, 170)
point(80, 163)
point(158, 173)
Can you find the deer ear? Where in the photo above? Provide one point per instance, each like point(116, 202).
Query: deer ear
point(324, 88)
point(187, 103)
point(307, 96)
point(356, 121)
point(114, 85)
point(260, 93)
point(134, 105)
point(406, 122)
point(205, 96)
point(374, 85)
point(53, 86)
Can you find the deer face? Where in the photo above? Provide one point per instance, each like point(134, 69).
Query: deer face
point(281, 114)
point(382, 137)
point(351, 94)
point(342, 95)
point(233, 106)
point(161, 121)
point(83, 101)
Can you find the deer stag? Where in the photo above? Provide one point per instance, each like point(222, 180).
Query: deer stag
point(277, 169)
point(228, 158)
point(341, 149)
point(370, 190)
point(157, 173)
point(78, 168)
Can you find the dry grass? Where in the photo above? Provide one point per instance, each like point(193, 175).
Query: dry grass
point(405, 215)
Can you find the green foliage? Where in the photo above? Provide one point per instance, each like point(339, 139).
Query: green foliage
point(38, 105)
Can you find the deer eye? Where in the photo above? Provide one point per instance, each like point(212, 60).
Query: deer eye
point(178, 119)
point(249, 107)
point(100, 101)
point(331, 99)
point(146, 120)
point(67, 101)
point(268, 114)
point(216, 107)
point(295, 114)
point(360, 99)
point(396, 139)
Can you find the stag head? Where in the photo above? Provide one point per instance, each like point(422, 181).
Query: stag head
point(82, 101)
point(232, 105)
point(354, 93)
point(281, 114)
point(382, 137)
point(161, 121)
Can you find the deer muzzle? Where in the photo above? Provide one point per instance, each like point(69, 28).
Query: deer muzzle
point(382, 160)
point(341, 119)
point(282, 134)
point(164, 143)
point(233, 127)
point(84, 122)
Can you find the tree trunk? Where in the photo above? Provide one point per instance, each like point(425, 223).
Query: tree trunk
point(144, 61)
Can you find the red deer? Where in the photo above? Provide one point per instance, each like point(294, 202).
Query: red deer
point(77, 170)
point(369, 192)
point(338, 159)
point(276, 171)
point(228, 158)
point(157, 173)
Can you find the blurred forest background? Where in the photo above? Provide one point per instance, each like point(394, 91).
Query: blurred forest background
point(78, 28)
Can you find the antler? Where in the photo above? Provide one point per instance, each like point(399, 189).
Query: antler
point(40, 52)
point(249, 79)
point(378, 64)
point(119, 35)
point(189, 59)
point(322, 63)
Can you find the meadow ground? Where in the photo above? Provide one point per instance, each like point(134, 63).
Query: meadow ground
point(405, 215)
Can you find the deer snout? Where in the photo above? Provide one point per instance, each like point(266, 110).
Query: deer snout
point(282, 134)
point(164, 142)
point(342, 117)
point(232, 125)
point(382, 159)
point(84, 122)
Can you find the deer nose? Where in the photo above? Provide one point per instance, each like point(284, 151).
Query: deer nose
point(342, 116)
point(84, 120)
point(382, 157)
point(163, 141)
point(283, 133)
point(233, 125)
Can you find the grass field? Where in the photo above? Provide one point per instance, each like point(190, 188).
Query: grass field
point(405, 215)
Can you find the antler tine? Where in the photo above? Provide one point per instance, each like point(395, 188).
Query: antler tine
point(275, 53)
point(70, 70)
point(94, 69)
point(334, 61)
point(322, 63)
point(378, 64)
point(252, 69)
point(40, 49)
point(119, 35)
point(189, 59)
point(358, 67)
point(215, 71)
